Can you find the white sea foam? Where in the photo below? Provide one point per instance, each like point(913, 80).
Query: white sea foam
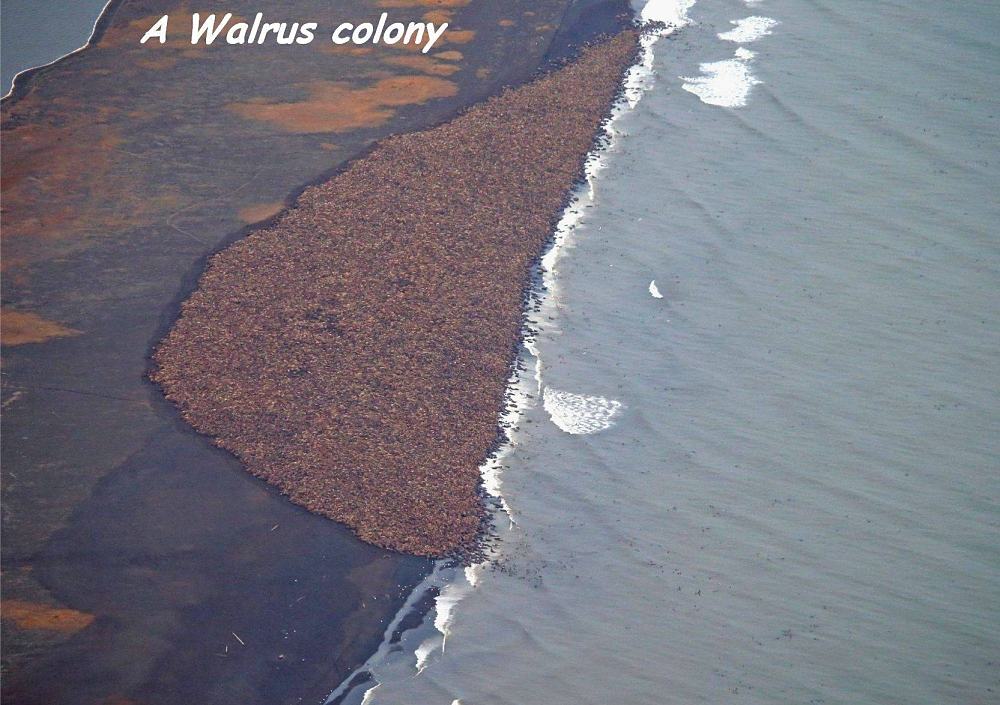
point(472, 573)
point(578, 413)
point(728, 83)
point(724, 83)
point(438, 577)
point(673, 14)
point(444, 607)
point(749, 29)
point(654, 291)
point(369, 694)
point(423, 654)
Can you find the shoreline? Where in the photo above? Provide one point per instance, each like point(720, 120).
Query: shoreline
point(275, 395)
point(111, 432)
point(448, 585)
point(19, 82)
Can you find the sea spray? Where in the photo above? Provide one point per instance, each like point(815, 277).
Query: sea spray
point(727, 83)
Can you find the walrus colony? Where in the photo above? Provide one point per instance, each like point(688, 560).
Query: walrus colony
point(355, 352)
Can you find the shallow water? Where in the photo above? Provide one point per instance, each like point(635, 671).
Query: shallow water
point(797, 500)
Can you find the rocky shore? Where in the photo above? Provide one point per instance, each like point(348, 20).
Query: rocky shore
point(355, 352)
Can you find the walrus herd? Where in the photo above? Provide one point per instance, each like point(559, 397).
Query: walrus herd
point(355, 352)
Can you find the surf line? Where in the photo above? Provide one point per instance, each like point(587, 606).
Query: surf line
point(524, 389)
point(381, 32)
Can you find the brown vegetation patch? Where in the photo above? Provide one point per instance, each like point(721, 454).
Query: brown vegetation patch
point(355, 354)
point(66, 166)
point(33, 615)
point(21, 327)
point(158, 63)
point(459, 36)
point(67, 177)
point(423, 63)
point(348, 49)
point(260, 211)
point(337, 107)
point(438, 16)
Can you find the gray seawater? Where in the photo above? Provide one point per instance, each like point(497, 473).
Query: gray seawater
point(798, 501)
point(37, 32)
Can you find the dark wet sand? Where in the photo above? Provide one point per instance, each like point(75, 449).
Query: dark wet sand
point(131, 546)
point(356, 353)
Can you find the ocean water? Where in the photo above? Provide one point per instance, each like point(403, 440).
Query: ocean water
point(37, 32)
point(756, 458)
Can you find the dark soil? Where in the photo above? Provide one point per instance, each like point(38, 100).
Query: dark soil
point(355, 353)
